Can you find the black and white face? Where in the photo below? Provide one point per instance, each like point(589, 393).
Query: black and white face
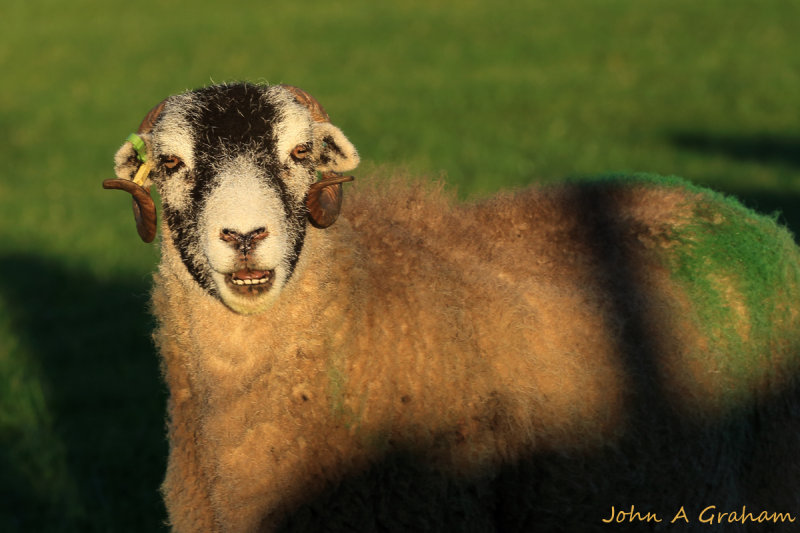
point(233, 165)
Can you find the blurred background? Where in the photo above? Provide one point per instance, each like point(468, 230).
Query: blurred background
point(484, 94)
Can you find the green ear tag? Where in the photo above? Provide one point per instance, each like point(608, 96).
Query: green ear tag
point(139, 146)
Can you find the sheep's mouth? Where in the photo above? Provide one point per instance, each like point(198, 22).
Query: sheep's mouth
point(250, 282)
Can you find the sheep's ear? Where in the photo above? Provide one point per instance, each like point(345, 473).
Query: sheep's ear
point(125, 162)
point(132, 167)
point(131, 158)
point(333, 152)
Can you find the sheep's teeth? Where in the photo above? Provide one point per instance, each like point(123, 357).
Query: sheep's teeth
point(249, 281)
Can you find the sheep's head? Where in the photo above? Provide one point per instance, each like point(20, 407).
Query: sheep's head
point(236, 168)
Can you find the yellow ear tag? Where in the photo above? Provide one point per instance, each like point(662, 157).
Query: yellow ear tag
point(141, 154)
point(142, 173)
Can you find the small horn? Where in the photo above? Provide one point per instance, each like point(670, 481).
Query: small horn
point(150, 118)
point(318, 113)
point(144, 209)
point(324, 199)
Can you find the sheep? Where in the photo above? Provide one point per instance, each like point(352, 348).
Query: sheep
point(590, 356)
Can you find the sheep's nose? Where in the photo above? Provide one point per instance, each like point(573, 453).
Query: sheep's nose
point(243, 242)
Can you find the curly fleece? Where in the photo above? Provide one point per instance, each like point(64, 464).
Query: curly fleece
point(517, 364)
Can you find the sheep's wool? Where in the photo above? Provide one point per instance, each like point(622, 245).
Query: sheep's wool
point(526, 363)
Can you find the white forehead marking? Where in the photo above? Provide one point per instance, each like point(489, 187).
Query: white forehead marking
point(295, 123)
point(295, 127)
point(174, 135)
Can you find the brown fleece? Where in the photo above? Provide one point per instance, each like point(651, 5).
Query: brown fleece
point(472, 335)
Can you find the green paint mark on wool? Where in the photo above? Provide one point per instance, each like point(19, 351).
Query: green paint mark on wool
point(733, 257)
point(337, 382)
point(736, 272)
point(337, 391)
point(741, 272)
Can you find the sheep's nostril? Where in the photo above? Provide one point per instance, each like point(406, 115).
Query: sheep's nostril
point(257, 234)
point(243, 243)
point(228, 235)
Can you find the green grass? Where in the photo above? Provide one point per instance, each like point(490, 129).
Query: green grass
point(490, 94)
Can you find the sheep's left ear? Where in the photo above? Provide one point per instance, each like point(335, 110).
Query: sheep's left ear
point(333, 152)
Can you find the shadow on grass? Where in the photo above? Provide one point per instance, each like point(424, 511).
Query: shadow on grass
point(762, 148)
point(90, 343)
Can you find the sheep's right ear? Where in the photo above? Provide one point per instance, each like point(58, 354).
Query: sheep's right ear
point(132, 167)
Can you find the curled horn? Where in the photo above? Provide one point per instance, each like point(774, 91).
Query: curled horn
point(324, 198)
point(144, 210)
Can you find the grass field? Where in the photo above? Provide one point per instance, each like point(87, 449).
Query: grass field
point(489, 95)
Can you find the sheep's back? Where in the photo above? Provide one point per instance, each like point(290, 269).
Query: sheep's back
point(622, 332)
point(621, 265)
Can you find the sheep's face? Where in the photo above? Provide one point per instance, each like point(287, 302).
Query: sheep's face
point(233, 165)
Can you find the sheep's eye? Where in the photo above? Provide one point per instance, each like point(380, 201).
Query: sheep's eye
point(171, 162)
point(301, 151)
